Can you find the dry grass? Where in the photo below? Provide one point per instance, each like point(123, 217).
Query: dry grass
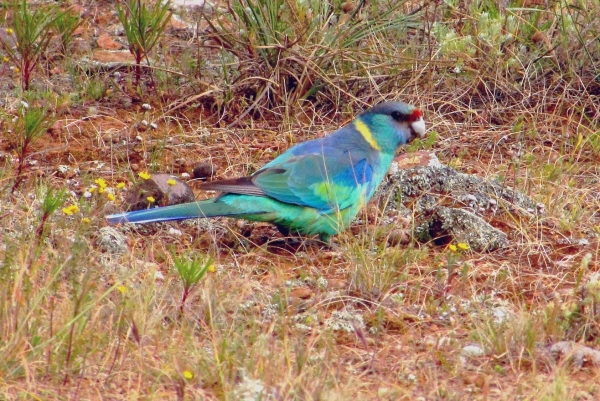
point(362, 320)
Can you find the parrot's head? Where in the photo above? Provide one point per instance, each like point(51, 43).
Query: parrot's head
point(406, 120)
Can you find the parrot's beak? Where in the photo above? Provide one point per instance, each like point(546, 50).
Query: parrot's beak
point(418, 127)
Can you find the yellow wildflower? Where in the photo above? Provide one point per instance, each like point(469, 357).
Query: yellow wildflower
point(110, 196)
point(5, 59)
point(121, 185)
point(211, 268)
point(9, 31)
point(86, 220)
point(70, 210)
point(145, 175)
point(92, 189)
point(463, 246)
point(188, 374)
point(100, 190)
point(171, 181)
point(151, 199)
point(452, 247)
point(101, 182)
point(122, 289)
point(17, 70)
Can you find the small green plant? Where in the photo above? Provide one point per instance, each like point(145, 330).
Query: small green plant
point(65, 24)
point(191, 271)
point(32, 34)
point(95, 88)
point(31, 124)
point(143, 28)
point(426, 143)
point(53, 199)
point(591, 143)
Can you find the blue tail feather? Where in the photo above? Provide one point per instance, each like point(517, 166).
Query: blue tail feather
point(200, 209)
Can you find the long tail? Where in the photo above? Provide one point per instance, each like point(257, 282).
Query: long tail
point(200, 209)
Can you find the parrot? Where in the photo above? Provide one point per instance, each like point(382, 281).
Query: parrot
point(316, 187)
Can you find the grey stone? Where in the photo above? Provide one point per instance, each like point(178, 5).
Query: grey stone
point(112, 240)
point(578, 353)
point(451, 206)
point(459, 225)
point(159, 187)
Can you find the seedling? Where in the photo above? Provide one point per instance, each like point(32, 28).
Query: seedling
point(143, 28)
point(191, 272)
point(32, 34)
point(31, 124)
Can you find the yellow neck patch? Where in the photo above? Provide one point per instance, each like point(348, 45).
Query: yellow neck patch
point(366, 133)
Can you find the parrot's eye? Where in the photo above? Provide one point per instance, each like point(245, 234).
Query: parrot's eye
point(396, 115)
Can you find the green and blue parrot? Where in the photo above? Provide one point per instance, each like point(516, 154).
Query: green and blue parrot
point(314, 188)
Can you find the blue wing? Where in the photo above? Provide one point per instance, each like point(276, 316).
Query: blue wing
point(324, 182)
point(327, 174)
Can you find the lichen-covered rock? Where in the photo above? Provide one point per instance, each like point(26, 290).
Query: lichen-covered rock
point(112, 241)
point(423, 174)
point(578, 353)
point(451, 224)
point(449, 205)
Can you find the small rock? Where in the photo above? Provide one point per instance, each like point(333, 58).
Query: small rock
point(541, 208)
point(106, 57)
point(577, 352)
point(471, 351)
point(204, 170)
point(573, 242)
point(165, 190)
point(112, 241)
point(107, 43)
point(174, 231)
point(500, 315)
point(345, 320)
point(399, 237)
